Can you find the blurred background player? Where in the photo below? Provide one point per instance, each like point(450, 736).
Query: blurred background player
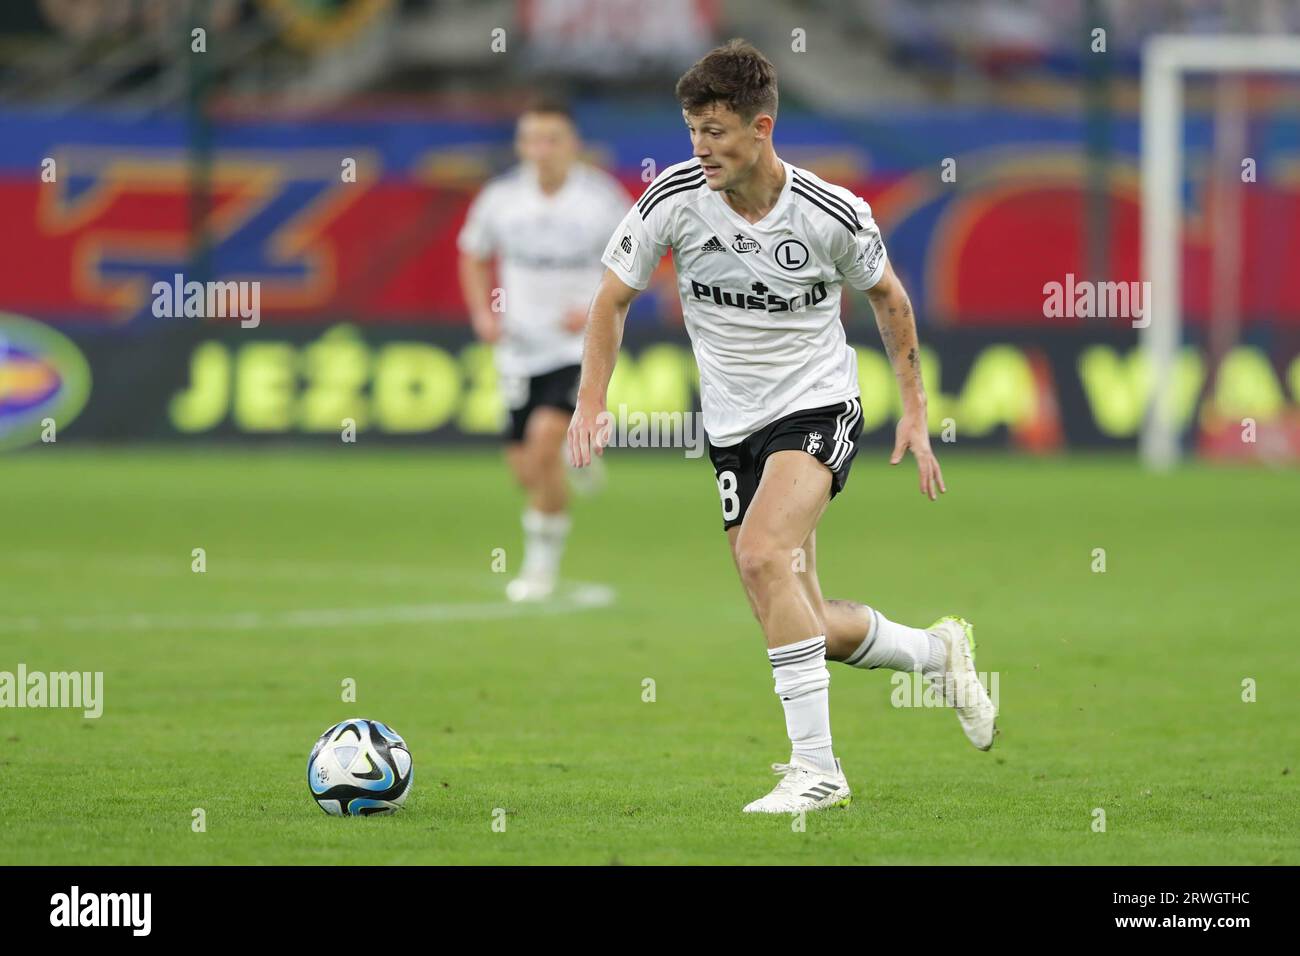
point(544, 225)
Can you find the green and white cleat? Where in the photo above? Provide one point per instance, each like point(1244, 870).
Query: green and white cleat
point(804, 788)
point(961, 684)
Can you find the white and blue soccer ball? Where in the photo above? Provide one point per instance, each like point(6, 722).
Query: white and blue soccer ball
point(359, 767)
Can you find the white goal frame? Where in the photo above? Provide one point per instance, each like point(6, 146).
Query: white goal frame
point(1166, 59)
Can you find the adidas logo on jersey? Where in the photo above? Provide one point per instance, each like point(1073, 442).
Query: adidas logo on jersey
point(763, 300)
point(713, 245)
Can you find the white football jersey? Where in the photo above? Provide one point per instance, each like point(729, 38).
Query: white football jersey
point(761, 300)
point(548, 255)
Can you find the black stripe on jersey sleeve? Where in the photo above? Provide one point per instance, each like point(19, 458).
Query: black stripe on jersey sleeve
point(834, 214)
point(657, 187)
point(683, 188)
point(830, 197)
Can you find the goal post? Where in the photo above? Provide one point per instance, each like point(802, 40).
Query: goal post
point(1166, 61)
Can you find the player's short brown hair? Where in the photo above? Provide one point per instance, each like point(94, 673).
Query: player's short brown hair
point(549, 103)
point(735, 74)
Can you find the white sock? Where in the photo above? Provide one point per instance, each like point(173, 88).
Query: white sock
point(544, 537)
point(803, 684)
point(898, 647)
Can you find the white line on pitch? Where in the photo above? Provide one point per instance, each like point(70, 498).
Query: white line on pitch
point(571, 598)
point(239, 568)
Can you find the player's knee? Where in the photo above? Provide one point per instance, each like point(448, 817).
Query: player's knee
point(759, 562)
point(522, 466)
point(542, 448)
point(544, 465)
point(527, 455)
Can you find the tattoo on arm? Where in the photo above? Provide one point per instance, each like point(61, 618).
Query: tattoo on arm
point(888, 337)
point(897, 333)
point(891, 331)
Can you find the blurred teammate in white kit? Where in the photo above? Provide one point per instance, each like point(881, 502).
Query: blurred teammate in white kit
point(544, 225)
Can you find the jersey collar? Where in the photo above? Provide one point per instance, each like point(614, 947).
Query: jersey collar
point(773, 214)
point(534, 182)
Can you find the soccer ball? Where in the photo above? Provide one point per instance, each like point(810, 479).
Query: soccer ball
point(358, 768)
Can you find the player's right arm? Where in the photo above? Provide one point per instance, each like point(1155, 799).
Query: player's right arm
point(476, 288)
point(588, 431)
point(478, 245)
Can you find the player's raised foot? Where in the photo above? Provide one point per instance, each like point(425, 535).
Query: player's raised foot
point(531, 586)
point(960, 683)
point(804, 788)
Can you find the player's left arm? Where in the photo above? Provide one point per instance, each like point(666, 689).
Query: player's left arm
point(897, 327)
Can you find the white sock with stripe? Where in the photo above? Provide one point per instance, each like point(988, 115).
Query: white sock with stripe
point(803, 684)
point(898, 647)
point(544, 537)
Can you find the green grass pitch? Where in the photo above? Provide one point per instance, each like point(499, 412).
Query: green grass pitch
point(1119, 690)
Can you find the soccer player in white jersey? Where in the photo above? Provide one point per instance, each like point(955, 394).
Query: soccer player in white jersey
point(544, 223)
point(761, 249)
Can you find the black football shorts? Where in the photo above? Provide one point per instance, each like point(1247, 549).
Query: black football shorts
point(557, 389)
point(829, 434)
